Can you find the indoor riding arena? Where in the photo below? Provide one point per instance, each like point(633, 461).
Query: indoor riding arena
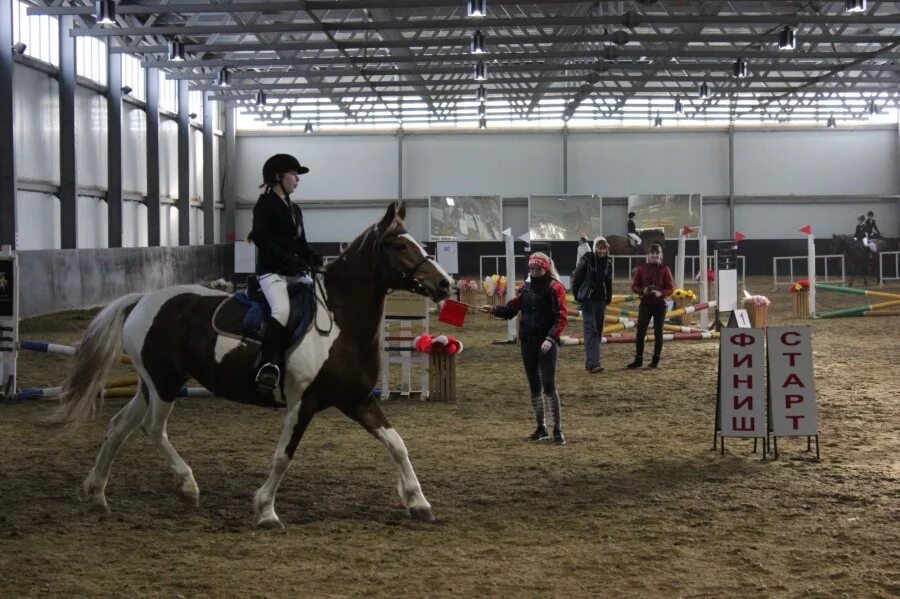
point(342, 298)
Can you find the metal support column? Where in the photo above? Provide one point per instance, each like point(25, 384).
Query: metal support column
point(68, 191)
point(209, 180)
point(7, 131)
point(730, 182)
point(400, 163)
point(114, 149)
point(153, 214)
point(565, 148)
point(184, 164)
point(228, 194)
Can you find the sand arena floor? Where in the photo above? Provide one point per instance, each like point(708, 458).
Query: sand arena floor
point(636, 505)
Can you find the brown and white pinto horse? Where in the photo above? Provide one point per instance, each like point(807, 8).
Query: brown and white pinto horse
point(169, 337)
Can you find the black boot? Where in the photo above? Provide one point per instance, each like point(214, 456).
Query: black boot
point(539, 434)
point(638, 362)
point(654, 363)
point(272, 355)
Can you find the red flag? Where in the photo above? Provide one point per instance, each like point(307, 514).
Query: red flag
point(686, 230)
point(739, 236)
point(230, 236)
point(453, 313)
point(806, 229)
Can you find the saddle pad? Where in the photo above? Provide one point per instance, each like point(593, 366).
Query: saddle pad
point(240, 317)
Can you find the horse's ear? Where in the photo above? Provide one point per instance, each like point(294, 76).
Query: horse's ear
point(401, 211)
point(388, 219)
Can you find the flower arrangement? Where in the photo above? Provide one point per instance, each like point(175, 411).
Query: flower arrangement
point(467, 284)
point(442, 344)
point(757, 300)
point(494, 285)
point(680, 293)
point(801, 285)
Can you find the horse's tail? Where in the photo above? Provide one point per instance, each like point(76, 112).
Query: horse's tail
point(100, 348)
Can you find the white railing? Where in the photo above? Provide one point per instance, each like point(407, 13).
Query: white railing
point(629, 259)
point(823, 274)
point(496, 258)
point(881, 277)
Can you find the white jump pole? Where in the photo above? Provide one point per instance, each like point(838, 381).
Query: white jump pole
point(704, 284)
point(811, 271)
point(9, 319)
point(679, 261)
point(510, 280)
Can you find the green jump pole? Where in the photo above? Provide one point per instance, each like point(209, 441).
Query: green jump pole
point(853, 291)
point(858, 311)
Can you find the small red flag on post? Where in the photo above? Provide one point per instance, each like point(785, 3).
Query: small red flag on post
point(806, 229)
point(230, 236)
point(453, 313)
point(686, 230)
point(738, 236)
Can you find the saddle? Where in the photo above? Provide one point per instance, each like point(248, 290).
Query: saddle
point(244, 314)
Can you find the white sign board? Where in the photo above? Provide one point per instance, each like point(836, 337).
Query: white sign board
point(792, 390)
point(742, 383)
point(741, 319)
point(448, 256)
point(727, 290)
point(244, 257)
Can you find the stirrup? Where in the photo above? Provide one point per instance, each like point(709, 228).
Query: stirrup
point(267, 378)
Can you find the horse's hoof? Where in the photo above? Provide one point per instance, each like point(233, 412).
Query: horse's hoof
point(421, 514)
point(99, 507)
point(270, 524)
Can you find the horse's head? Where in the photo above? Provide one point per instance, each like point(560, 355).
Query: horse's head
point(405, 263)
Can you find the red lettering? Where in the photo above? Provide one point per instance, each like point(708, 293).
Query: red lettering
point(792, 334)
point(792, 379)
point(747, 381)
point(791, 357)
point(743, 339)
point(747, 424)
point(795, 419)
point(740, 403)
point(792, 399)
point(739, 361)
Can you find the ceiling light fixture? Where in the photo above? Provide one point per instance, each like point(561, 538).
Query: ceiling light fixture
point(873, 108)
point(481, 110)
point(308, 128)
point(482, 123)
point(105, 12)
point(176, 50)
point(260, 98)
point(739, 69)
point(480, 71)
point(286, 115)
point(855, 5)
point(831, 122)
point(477, 43)
point(678, 108)
point(787, 39)
point(481, 94)
point(223, 79)
point(476, 8)
point(703, 91)
point(658, 121)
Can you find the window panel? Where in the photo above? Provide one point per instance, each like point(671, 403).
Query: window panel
point(39, 34)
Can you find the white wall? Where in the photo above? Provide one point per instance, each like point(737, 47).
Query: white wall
point(93, 230)
point(134, 149)
point(625, 163)
point(36, 126)
point(134, 224)
point(481, 164)
point(341, 167)
point(830, 162)
point(91, 132)
point(168, 158)
point(38, 221)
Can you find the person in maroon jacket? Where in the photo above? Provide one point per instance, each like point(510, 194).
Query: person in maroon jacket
point(653, 282)
point(542, 302)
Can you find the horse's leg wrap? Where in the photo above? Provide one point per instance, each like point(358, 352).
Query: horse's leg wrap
point(408, 486)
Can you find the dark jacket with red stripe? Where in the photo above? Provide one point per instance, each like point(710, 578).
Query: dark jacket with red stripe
point(280, 237)
point(657, 275)
point(542, 303)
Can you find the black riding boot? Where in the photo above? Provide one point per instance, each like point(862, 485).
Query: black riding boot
point(272, 353)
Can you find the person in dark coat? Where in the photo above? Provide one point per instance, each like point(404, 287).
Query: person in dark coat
point(653, 282)
point(633, 238)
point(592, 287)
point(282, 253)
point(542, 303)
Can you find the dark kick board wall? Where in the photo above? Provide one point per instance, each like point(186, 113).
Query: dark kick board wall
point(758, 253)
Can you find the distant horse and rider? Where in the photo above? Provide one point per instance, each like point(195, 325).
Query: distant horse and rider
point(862, 249)
point(170, 337)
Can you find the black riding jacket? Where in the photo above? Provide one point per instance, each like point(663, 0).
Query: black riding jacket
point(631, 226)
point(860, 231)
point(280, 237)
point(597, 269)
point(543, 306)
point(872, 228)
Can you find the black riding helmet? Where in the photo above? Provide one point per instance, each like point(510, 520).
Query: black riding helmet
point(278, 165)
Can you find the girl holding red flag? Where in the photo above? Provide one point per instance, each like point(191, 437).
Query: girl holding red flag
point(542, 303)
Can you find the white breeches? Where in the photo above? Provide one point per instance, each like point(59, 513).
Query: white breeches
point(635, 239)
point(274, 287)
